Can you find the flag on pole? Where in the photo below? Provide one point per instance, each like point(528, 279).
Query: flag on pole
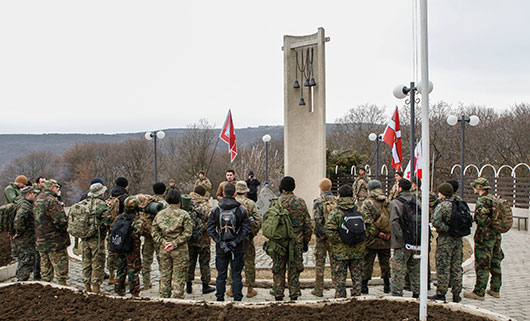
point(228, 135)
point(392, 136)
point(417, 161)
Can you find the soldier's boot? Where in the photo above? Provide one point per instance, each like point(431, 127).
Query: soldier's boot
point(88, 288)
point(456, 298)
point(97, 290)
point(112, 277)
point(364, 286)
point(386, 287)
point(189, 287)
point(316, 293)
point(230, 292)
point(251, 292)
point(493, 293)
point(206, 288)
point(437, 297)
point(62, 282)
point(473, 296)
point(415, 295)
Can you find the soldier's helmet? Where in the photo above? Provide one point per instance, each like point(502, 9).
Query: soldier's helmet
point(481, 183)
point(131, 203)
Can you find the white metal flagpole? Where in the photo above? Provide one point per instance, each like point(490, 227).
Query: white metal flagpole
point(425, 162)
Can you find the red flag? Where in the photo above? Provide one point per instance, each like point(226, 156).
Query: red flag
point(392, 136)
point(417, 161)
point(228, 135)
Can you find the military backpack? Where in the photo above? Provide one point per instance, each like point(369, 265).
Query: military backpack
point(198, 225)
point(82, 220)
point(278, 229)
point(502, 215)
point(410, 221)
point(352, 230)
point(120, 236)
point(461, 219)
point(113, 204)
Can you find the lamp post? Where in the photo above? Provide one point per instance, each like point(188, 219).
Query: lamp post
point(266, 139)
point(402, 91)
point(452, 121)
point(154, 135)
point(379, 138)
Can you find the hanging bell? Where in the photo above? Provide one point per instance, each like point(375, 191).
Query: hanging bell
point(312, 83)
point(296, 84)
point(306, 83)
point(302, 101)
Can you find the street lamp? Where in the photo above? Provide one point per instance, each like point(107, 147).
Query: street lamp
point(154, 135)
point(473, 121)
point(266, 139)
point(379, 138)
point(402, 91)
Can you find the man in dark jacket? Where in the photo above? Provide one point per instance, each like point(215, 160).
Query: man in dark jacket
point(252, 184)
point(118, 195)
point(228, 226)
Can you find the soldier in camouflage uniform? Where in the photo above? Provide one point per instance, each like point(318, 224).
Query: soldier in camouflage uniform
point(52, 239)
point(205, 183)
point(172, 229)
point(254, 217)
point(118, 194)
point(200, 248)
point(360, 192)
point(94, 247)
point(24, 238)
point(449, 249)
point(128, 265)
point(376, 207)
point(302, 228)
point(403, 259)
point(346, 256)
point(12, 191)
point(321, 213)
point(38, 187)
point(395, 188)
point(149, 247)
point(488, 252)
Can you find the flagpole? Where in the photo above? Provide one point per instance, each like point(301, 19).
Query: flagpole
point(425, 161)
point(211, 158)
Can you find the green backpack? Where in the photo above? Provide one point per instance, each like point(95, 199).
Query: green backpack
point(502, 216)
point(82, 221)
point(278, 229)
point(7, 217)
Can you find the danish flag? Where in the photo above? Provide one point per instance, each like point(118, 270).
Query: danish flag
point(228, 135)
point(417, 161)
point(392, 136)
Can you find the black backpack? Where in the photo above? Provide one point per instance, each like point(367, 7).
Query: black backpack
point(411, 221)
point(227, 224)
point(461, 219)
point(120, 235)
point(352, 230)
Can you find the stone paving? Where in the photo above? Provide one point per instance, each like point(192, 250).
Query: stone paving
point(515, 292)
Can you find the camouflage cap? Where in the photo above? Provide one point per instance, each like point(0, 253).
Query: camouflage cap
point(97, 189)
point(481, 183)
point(131, 203)
point(27, 189)
point(51, 183)
point(241, 187)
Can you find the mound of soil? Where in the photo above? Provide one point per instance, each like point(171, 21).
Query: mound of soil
point(5, 249)
point(38, 302)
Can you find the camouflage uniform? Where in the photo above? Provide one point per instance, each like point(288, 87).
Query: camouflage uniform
point(115, 204)
point(94, 247)
point(376, 245)
point(173, 225)
point(359, 189)
point(52, 239)
point(249, 257)
point(150, 247)
point(302, 229)
point(200, 249)
point(322, 244)
point(206, 184)
point(488, 252)
point(12, 193)
point(24, 226)
point(449, 251)
point(403, 260)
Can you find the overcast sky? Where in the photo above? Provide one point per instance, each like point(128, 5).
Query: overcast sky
point(127, 66)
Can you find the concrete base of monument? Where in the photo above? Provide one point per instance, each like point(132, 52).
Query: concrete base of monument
point(8, 272)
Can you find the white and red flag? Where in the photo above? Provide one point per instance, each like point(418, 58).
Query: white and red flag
point(417, 161)
point(228, 135)
point(392, 136)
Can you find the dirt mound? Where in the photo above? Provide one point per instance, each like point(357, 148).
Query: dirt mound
point(5, 249)
point(38, 302)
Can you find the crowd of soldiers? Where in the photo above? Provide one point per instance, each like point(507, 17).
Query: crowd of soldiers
point(40, 233)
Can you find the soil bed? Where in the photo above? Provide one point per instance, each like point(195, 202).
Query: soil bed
point(38, 302)
point(5, 249)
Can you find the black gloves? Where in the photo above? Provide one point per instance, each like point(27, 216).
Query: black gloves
point(224, 247)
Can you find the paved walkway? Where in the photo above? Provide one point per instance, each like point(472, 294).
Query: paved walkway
point(515, 292)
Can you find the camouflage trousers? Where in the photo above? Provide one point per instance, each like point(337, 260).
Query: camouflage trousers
point(403, 262)
point(25, 260)
point(449, 253)
point(148, 249)
point(321, 251)
point(488, 257)
point(173, 268)
point(54, 261)
point(383, 256)
point(203, 255)
point(249, 262)
point(111, 257)
point(128, 265)
point(93, 260)
point(341, 273)
point(280, 265)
